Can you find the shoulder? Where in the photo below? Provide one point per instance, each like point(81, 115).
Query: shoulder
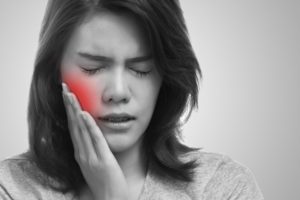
point(15, 169)
point(20, 178)
point(218, 176)
point(210, 163)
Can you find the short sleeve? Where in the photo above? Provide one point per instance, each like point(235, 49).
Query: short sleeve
point(246, 187)
point(225, 178)
point(21, 179)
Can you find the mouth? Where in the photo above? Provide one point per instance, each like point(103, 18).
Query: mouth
point(117, 117)
point(115, 121)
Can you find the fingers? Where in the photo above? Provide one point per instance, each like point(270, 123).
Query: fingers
point(82, 145)
point(88, 139)
point(84, 133)
point(98, 140)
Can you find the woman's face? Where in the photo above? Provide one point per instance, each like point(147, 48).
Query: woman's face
point(108, 65)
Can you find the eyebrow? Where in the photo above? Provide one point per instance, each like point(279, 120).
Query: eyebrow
point(94, 57)
point(108, 59)
point(140, 59)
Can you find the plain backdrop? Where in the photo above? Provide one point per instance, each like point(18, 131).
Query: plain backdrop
point(249, 101)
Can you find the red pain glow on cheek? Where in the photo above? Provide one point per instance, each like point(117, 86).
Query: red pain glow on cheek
point(85, 92)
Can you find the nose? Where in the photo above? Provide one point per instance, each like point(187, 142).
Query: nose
point(116, 90)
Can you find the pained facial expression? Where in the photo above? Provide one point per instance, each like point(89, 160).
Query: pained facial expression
point(108, 65)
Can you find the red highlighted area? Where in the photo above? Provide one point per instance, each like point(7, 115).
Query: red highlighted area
point(85, 92)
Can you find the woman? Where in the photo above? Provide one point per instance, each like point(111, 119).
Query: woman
point(111, 80)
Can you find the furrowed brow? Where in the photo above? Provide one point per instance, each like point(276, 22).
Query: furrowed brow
point(100, 58)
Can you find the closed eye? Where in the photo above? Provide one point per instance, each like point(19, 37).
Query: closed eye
point(141, 73)
point(91, 71)
point(141, 69)
point(95, 70)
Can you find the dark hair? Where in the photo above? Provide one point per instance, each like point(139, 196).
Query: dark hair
point(50, 144)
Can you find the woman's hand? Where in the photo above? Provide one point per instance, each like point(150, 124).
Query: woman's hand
point(97, 163)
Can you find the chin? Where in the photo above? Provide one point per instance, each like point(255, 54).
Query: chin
point(120, 143)
point(117, 147)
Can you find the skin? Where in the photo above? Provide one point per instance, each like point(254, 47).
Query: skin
point(111, 162)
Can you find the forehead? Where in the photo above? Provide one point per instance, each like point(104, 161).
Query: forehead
point(109, 34)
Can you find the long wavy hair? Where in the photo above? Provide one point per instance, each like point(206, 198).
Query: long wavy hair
point(50, 145)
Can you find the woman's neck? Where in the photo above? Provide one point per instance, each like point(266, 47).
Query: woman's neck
point(133, 162)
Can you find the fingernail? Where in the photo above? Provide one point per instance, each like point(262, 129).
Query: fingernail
point(63, 86)
point(83, 116)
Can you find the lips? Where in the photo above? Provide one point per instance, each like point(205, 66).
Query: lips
point(117, 117)
point(117, 122)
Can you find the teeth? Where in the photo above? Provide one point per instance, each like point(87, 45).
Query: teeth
point(116, 119)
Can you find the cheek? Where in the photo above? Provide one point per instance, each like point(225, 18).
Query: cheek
point(84, 90)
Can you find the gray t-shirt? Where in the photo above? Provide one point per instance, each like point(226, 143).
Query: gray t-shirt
point(218, 177)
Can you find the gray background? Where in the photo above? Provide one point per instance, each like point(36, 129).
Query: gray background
point(249, 104)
